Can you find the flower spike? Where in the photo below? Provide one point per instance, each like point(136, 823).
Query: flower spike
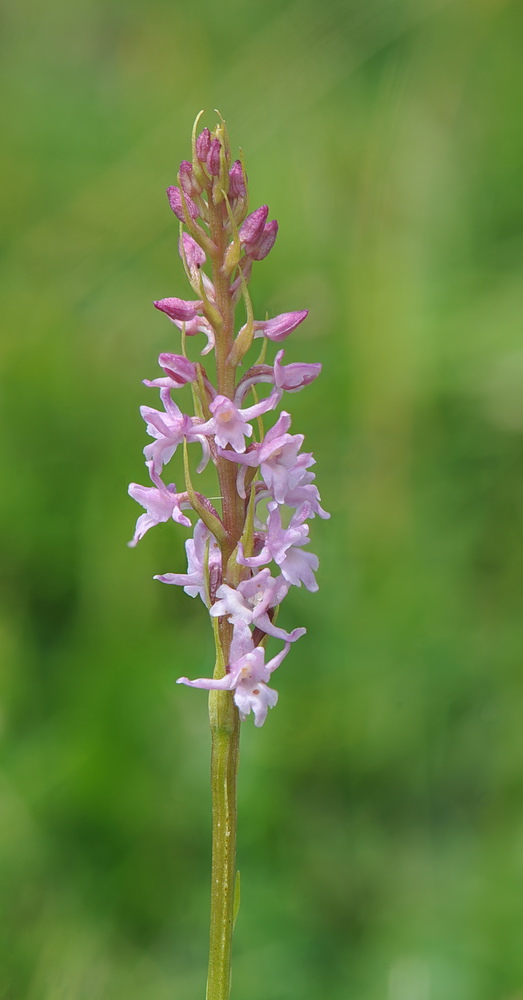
point(248, 541)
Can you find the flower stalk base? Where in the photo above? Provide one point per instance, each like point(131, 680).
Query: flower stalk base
point(225, 734)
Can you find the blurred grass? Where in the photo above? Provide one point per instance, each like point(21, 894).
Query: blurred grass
point(381, 828)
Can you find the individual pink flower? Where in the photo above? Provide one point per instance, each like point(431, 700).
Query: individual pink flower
point(178, 371)
point(296, 376)
point(203, 557)
point(170, 428)
point(247, 676)
point(277, 455)
point(161, 503)
point(303, 492)
point(186, 314)
point(280, 464)
point(284, 546)
point(228, 423)
point(290, 378)
point(250, 602)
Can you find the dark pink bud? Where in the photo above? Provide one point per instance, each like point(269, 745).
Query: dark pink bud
point(213, 157)
point(278, 328)
point(203, 143)
point(180, 369)
point(175, 201)
point(263, 245)
point(253, 225)
point(180, 309)
point(237, 187)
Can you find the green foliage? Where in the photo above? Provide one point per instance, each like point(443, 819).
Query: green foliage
point(380, 837)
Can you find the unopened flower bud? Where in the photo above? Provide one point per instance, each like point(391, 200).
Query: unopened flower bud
point(187, 179)
point(203, 143)
point(253, 225)
point(191, 251)
point(176, 203)
point(213, 157)
point(237, 188)
point(278, 328)
point(263, 245)
point(179, 309)
point(180, 369)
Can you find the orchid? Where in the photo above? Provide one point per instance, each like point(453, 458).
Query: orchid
point(283, 546)
point(169, 429)
point(290, 378)
point(277, 456)
point(161, 503)
point(245, 554)
point(204, 563)
point(229, 424)
point(247, 676)
point(251, 601)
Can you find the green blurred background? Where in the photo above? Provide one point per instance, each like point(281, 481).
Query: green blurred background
point(381, 819)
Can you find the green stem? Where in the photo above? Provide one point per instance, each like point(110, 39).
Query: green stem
point(225, 732)
point(223, 714)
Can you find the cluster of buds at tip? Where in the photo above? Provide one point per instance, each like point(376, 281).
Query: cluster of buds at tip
point(248, 547)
